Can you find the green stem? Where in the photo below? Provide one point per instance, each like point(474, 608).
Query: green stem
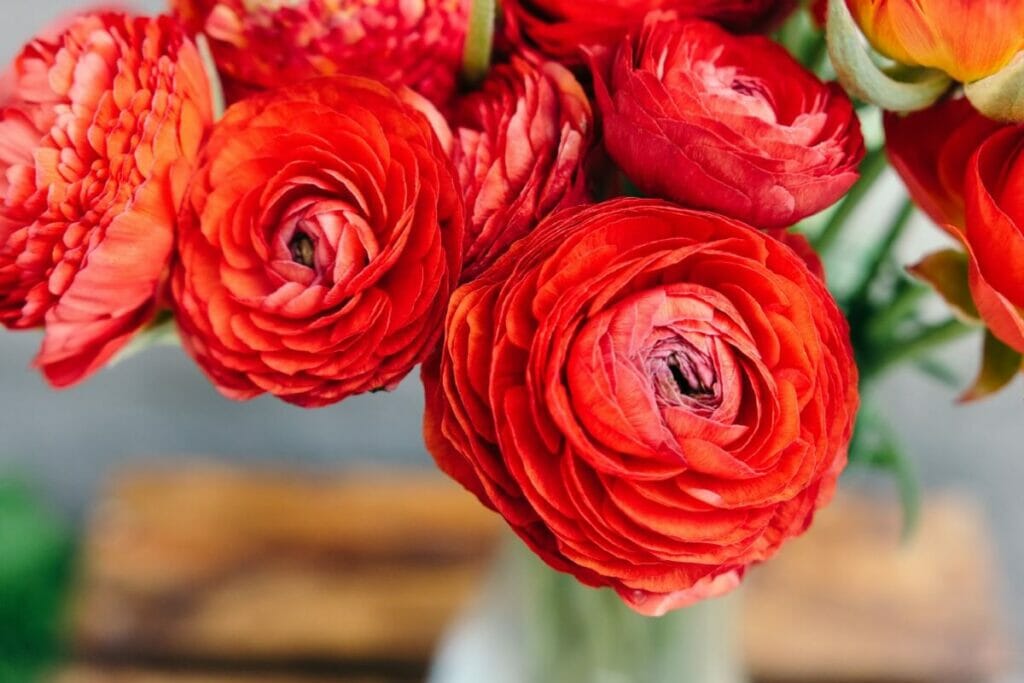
point(882, 255)
point(910, 493)
point(928, 339)
point(217, 98)
point(476, 59)
point(870, 170)
point(804, 40)
point(882, 322)
point(817, 60)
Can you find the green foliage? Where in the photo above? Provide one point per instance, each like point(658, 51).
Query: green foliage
point(1000, 365)
point(875, 445)
point(35, 567)
point(804, 40)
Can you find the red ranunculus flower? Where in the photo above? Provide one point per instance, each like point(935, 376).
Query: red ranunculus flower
point(654, 398)
point(965, 171)
point(520, 145)
point(803, 248)
point(559, 28)
point(319, 243)
point(994, 234)
point(730, 124)
point(270, 43)
point(101, 124)
point(931, 150)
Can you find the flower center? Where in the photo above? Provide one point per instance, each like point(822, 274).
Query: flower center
point(736, 92)
point(685, 375)
point(748, 87)
point(302, 249)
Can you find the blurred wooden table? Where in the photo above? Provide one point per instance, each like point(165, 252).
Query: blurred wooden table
point(211, 575)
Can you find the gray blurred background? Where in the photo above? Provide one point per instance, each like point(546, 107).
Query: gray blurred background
point(158, 405)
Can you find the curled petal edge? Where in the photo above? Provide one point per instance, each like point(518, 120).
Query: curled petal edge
point(658, 605)
point(913, 90)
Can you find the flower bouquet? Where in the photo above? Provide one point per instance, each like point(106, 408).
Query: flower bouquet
point(603, 229)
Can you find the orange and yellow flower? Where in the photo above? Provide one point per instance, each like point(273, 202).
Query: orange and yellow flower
point(967, 39)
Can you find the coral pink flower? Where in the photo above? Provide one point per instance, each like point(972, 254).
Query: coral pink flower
point(100, 128)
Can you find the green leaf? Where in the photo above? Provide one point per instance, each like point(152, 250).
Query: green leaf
point(35, 569)
point(888, 353)
point(911, 90)
point(946, 271)
point(999, 366)
point(870, 171)
point(476, 59)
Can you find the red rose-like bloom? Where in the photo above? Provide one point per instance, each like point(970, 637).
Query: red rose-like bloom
point(101, 127)
point(731, 124)
point(931, 149)
point(319, 243)
point(967, 173)
point(994, 235)
point(520, 144)
point(559, 28)
point(272, 43)
point(654, 398)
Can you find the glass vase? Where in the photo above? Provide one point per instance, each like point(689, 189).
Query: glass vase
point(534, 625)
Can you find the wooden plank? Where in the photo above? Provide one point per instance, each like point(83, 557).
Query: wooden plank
point(257, 570)
point(853, 601)
point(215, 564)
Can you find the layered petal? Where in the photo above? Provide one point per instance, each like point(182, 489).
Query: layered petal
point(319, 242)
point(725, 123)
point(994, 234)
point(560, 28)
point(967, 173)
point(269, 43)
point(654, 398)
point(101, 129)
point(931, 150)
point(520, 147)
